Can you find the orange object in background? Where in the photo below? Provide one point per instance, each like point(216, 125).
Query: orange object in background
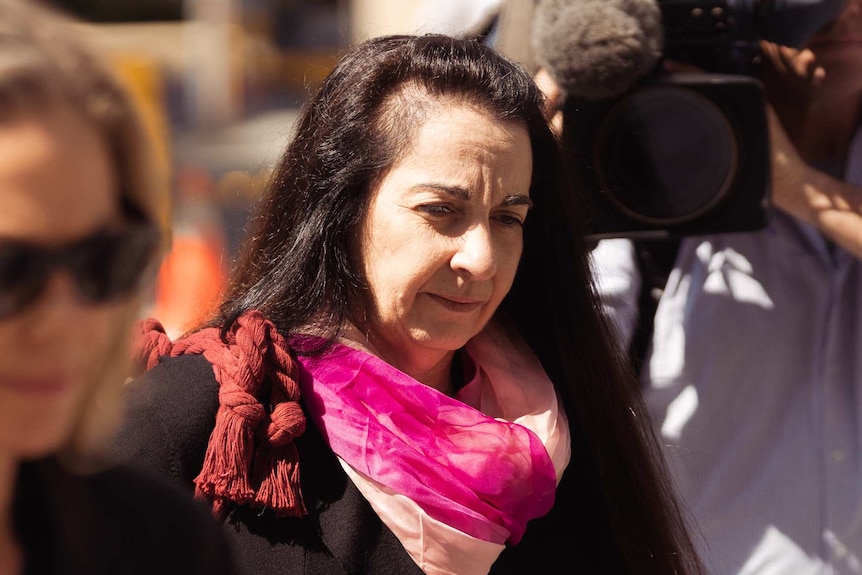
point(193, 274)
point(144, 78)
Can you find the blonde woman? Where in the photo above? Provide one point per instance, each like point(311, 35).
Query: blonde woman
point(78, 241)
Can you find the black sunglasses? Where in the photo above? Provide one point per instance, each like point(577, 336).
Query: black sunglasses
point(105, 266)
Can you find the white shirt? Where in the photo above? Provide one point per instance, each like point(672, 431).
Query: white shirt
point(455, 17)
point(754, 381)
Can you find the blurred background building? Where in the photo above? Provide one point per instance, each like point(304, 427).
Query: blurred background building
point(220, 83)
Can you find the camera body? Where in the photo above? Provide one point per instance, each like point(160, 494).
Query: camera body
point(685, 153)
point(714, 36)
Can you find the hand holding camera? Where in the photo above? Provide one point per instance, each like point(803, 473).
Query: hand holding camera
point(666, 155)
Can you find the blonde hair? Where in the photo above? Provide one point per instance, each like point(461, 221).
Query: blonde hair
point(45, 62)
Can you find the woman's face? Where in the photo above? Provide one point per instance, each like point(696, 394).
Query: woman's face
point(57, 185)
point(444, 234)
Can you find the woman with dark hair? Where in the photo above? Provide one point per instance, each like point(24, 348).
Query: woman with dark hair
point(412, 326)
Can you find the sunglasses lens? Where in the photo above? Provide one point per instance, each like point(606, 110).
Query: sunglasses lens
point(22, 276)
point(110, 265)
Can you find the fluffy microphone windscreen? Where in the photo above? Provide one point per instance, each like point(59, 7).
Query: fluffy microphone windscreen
point(597, 48)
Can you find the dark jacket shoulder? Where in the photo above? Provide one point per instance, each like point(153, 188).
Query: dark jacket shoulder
point(170, 413)
point(117, 521)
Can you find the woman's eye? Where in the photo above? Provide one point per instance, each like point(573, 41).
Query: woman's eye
point(511, 220)
point(436, 209)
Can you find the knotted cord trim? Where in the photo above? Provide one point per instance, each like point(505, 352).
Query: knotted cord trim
point(251, 458)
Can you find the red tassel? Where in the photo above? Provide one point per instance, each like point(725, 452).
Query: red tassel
point(277, 468)
point(225, 471)
point(280, 488)
point(150, 343)
point(245, 462)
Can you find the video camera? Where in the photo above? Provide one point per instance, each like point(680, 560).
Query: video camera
point(681, 154)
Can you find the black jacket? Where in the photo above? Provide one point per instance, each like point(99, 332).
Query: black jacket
point(171, 414)
point(115, 522)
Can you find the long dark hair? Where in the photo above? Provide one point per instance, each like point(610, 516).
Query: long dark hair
point(297, 266)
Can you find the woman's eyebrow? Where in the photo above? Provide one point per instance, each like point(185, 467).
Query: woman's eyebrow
point(518, 200)
point(455, 191)
point(465, 194)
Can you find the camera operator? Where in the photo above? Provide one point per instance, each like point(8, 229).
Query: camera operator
point(751, 373)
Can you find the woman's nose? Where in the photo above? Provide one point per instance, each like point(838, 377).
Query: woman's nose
point(475, 254)
point(59, 295)
point(55, 309)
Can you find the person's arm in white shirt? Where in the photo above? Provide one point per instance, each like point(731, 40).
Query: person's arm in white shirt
point(814, 113)
point(814, 197)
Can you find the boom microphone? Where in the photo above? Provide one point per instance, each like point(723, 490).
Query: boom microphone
point(597, 48)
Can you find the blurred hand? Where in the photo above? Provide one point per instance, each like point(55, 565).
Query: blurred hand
point(812, 196)
point(553, 100)
point(790, 78)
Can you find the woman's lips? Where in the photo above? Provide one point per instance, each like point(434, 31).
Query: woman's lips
point(36, 385)
point(456, 303)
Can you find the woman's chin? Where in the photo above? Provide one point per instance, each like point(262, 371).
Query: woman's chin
point(35, 434)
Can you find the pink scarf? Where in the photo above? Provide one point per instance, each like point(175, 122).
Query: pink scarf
point(482, 474)
point(453, 478)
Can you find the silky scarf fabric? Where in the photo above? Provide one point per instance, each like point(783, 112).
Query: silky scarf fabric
point(479, 474)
